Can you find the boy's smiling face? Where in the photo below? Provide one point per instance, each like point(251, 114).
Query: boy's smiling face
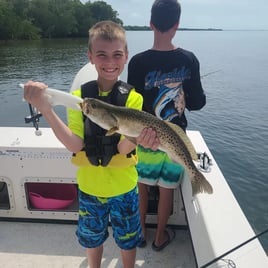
point(109, 58)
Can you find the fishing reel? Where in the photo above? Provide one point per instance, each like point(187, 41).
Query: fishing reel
point(34, 118)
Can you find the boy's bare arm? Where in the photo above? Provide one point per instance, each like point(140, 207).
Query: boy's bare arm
point(34, 93)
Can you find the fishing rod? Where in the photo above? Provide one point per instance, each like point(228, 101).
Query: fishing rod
point(34, 118)
point(207, 74)
point(233, 249)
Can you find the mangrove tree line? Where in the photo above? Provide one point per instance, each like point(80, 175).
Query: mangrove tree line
point(34, 19)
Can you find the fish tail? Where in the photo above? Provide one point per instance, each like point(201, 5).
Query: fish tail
point(200, 184)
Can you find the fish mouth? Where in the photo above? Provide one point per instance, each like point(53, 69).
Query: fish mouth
point(84, 107)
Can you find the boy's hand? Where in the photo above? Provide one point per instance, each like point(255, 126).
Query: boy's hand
point(34, 93)
point(148, 139)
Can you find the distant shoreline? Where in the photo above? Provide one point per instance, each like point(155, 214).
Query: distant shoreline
point(146, 28)
point(197, 29)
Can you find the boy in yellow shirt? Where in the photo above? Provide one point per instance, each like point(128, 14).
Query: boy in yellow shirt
point(106, 189)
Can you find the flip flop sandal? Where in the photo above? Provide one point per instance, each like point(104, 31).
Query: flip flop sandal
point(170, 234)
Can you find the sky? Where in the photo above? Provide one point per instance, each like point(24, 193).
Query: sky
point(223, 14)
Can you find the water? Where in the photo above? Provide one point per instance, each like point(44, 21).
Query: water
point(234, 122)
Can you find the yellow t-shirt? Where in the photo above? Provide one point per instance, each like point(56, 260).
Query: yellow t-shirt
point(98, 180)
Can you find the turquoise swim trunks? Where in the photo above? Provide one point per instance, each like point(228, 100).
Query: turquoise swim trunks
point(156, 168)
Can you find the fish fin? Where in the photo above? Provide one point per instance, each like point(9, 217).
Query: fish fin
point(200, 184)
point(111, 131)
point(185, 139)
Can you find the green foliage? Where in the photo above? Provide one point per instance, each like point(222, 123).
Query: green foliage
point(6, 19)
point(102, 11)
point(26, 30)
point(33, 19)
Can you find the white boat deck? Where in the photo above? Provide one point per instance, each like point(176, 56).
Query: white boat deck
point(26, 158)
point(49, 245)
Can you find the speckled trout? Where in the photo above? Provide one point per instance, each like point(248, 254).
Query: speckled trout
point(130, 123)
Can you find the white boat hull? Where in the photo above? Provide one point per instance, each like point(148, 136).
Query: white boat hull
point(216, 222)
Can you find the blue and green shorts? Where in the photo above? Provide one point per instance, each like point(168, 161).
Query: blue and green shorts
point(123, 212)
point(156, 168)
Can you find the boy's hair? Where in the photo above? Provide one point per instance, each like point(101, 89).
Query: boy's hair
point(165, 14)
point(108, 31)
